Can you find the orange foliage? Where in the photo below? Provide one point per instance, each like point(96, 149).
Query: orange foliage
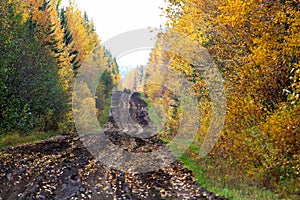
point(256, 46)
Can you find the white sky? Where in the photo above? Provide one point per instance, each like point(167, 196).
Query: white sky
point(113, 17)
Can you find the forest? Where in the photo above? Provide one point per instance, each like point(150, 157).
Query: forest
point(254, 44)
point(42, 49)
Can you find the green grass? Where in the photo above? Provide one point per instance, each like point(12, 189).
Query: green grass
point(165, 140)
point(225, 189)
point(15, 138)
point(148, 101)
point(152, 112)
point(221, 184)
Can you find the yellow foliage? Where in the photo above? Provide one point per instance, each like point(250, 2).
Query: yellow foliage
point(256, 45)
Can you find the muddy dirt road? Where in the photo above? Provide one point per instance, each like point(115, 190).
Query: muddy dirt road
point(62, 168)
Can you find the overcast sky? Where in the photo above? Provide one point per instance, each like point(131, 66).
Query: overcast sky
point(114, 17)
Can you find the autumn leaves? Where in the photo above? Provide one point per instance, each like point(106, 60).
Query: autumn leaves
point(255, 44)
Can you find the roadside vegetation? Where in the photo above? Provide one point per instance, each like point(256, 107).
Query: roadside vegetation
point(44, 47)
point(255, 45)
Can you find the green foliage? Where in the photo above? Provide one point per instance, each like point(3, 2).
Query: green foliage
point(31, 90)
point(109, 80)
point(41, 52)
